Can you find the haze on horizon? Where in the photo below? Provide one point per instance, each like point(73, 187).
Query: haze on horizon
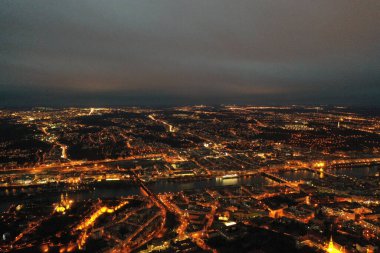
point(91, 52)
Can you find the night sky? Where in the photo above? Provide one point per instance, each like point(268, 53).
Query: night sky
point(158, 52)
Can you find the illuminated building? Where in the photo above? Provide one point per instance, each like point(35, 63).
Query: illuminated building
point(64, 204)
point(333, 248)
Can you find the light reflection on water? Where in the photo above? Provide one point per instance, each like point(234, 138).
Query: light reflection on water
point(229, 181)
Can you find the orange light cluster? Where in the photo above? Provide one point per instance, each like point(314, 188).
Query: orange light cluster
point(104, 209)
point(65, 204)
point(319, 164)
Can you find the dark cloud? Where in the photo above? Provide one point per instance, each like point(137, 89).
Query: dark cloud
point(167, 52)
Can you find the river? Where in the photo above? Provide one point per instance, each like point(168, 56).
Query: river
point(358, 172)
point(120, 189)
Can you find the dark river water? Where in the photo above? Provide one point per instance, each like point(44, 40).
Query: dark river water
point(298, 175)
point(169, 186)
point(360, 172)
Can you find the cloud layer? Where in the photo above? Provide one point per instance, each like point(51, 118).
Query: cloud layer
point(183, 52)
